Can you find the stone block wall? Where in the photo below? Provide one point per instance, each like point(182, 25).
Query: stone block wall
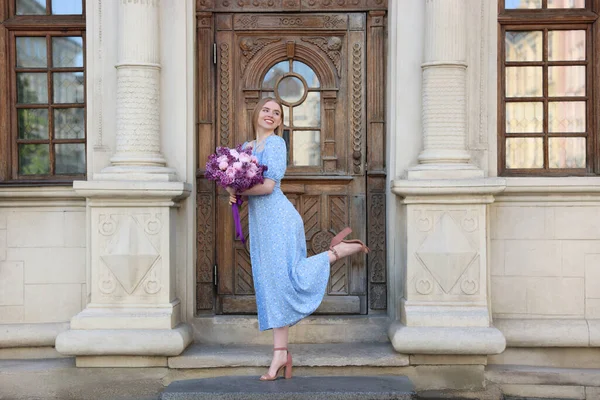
point(42, 264)
point(545, 260)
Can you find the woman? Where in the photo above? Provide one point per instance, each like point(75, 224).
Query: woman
point(288, 285)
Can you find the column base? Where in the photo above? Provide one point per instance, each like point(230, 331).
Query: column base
point(155, 317)
point(150, 343)
point(444, 171)
point(446, 340)
point(136, 173)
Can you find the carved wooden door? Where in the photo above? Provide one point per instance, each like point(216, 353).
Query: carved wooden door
point(316, 65)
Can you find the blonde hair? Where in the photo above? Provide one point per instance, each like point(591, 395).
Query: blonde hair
point(259, 107)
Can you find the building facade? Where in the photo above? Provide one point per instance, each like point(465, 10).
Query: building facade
point(458, 138)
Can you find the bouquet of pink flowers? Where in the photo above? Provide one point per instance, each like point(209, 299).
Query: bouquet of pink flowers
point(236, 168)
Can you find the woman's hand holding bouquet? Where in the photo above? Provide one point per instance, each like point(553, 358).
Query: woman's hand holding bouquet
point(235, 170)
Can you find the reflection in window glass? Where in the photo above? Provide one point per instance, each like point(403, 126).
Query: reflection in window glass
point(34, 159)
point(566, 45)
point(68, 87)
point(31, 7)
point(523, 81)
point(522, 4)
point(523, 46)
point(69, 123)
point(307, 149)
point(307, 73)
point(566, 116)
point(566, 152)
point(32, 123)
point(308, 114)
point(276, 72)
point(290, 89)
point(286, 115)
point(525, 117)
point(524, 153)
point(566, 81)
point(32, 88)
point(67, 7)
point(70, 158)
point(31, 52)
point(566, 3)
point(67, 51)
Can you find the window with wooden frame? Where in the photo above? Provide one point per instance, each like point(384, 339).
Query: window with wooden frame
point(548, 88)
point(42, 106)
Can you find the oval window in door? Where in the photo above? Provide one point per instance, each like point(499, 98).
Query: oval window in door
point(297, 87)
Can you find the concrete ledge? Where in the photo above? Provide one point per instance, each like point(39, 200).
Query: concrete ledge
point(29, 353)
point(313, 355)
point(548, 332)
point(446, 340)
point(527, 375)
point(243, 329)
point(544, 392)
point(132, 342)
point(331, 388)
point(30, 335)
point(551, 357)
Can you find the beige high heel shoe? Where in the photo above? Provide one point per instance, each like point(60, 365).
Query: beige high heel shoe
point(337, 239)
point(287, 367)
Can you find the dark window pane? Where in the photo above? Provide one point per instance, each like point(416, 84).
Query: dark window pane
point(32, 88)
point(67, 51)
point(290, 89)
point(70, 158)
point(31, 7)
point(67, 7)
point(68, 123)
point(276, 72)
point(32, 123)
point(68, 87)
point(566, 152)
point(31, 52)
point(34, 159)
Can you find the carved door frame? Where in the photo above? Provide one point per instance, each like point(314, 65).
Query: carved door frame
point(214, 107)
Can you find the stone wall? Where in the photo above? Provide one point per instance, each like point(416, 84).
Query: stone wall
point(42, 261)
point(545, 260)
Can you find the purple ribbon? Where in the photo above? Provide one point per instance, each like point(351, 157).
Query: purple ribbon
point(236, 219)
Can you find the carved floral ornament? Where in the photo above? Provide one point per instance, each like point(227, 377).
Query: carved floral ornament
point(290, 5)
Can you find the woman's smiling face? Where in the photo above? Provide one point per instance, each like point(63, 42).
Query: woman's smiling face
point(269, 117)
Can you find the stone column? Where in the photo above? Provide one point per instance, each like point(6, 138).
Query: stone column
point(444, 98)
point(132, 317)
point(445, 304)
point(138, 155)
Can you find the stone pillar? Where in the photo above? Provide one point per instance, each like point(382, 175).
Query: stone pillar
point(133, 315)
point(444, 97)
point(445, 304)
point(138, 155)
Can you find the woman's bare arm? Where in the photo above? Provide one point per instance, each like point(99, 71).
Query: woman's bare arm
point(262, 188)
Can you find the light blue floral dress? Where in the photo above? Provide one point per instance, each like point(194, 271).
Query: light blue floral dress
point(288, 285)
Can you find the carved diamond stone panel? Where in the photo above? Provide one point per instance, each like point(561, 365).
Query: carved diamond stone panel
point(446, 252)
point(129, 254)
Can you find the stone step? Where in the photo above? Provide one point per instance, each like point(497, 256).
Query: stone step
point(297, 388)
point(199, 356)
